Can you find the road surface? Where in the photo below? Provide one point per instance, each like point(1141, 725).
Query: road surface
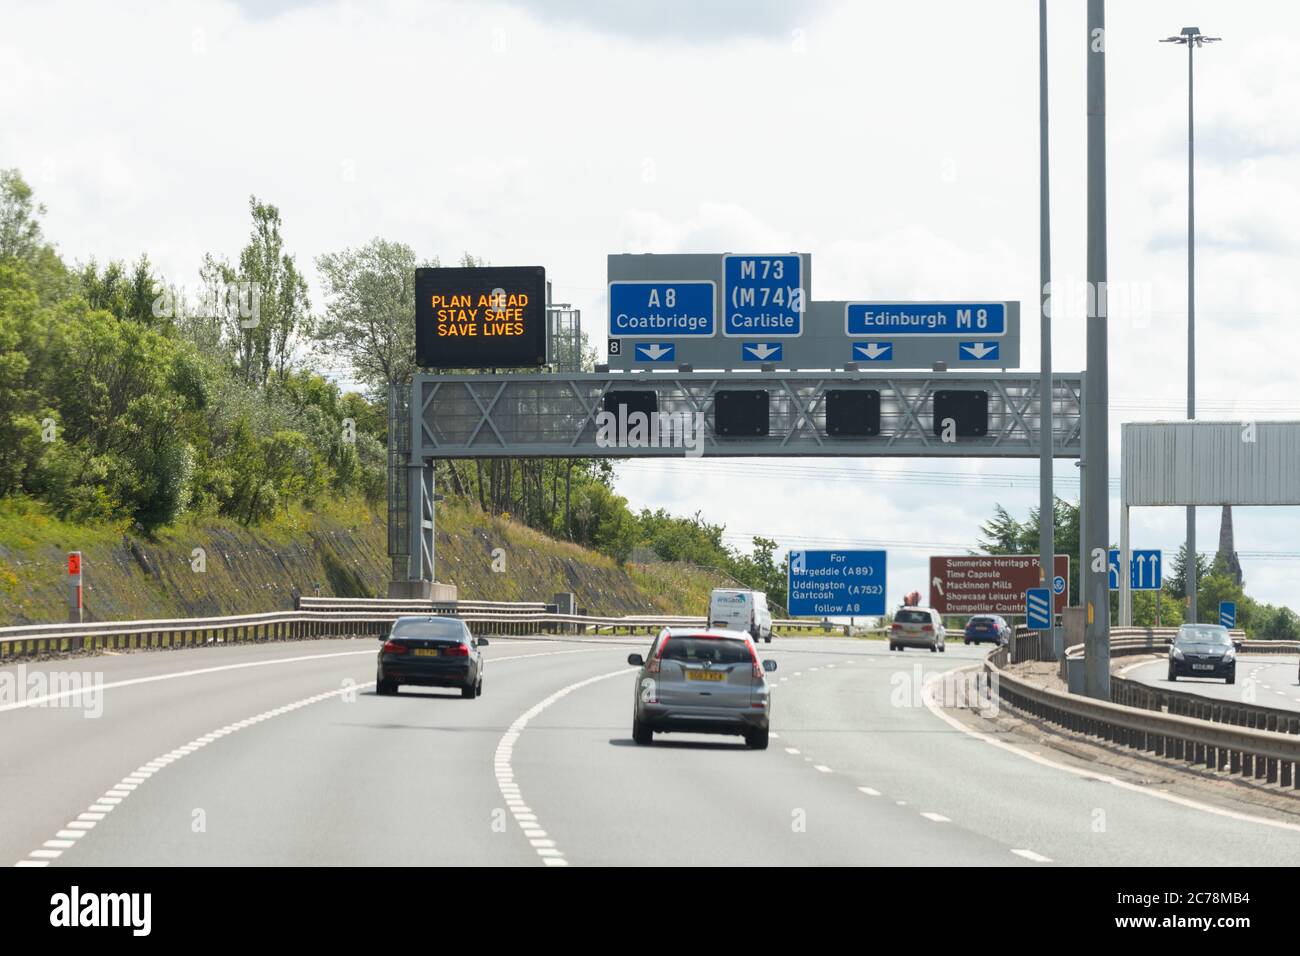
point(282, 754)
point(1264, 679)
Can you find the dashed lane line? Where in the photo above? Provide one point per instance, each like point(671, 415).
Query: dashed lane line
point(1031, 855)
point(113, 797)
point(524, 817)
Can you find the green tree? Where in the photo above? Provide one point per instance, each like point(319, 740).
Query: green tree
point(370, 312)
point(264, 302)
point(1177, 580)
point(20, 228)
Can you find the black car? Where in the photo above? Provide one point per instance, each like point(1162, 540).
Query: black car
point(1203, 650)
point(987, 627)
point(431, 652)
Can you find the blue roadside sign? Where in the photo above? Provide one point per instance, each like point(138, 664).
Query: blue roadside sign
point(835, 583)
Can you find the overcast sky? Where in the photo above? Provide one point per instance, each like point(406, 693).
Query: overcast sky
point(896, 143)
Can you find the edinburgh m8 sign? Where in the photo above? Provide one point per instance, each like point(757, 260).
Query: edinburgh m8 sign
point(480, 317)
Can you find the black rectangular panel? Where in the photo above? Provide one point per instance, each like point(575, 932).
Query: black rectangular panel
point(968, 410)
point(636, 401)
point(740, 414)
point(480, 317)
point(852, 412)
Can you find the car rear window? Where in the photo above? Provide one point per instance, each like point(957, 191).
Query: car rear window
point(429, 630)
point(912, 617)
point(712, 649)
point(981, 620)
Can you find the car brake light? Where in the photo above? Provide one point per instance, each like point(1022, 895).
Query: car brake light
point(392, 647)
point(753, 656)
point(927, 627)
point(459, 650)
point(896, 626)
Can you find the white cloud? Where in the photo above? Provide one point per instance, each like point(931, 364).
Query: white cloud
point(896, 143)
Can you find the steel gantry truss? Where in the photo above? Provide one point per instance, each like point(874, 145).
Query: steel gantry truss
point(555, 416)
point(558, 416)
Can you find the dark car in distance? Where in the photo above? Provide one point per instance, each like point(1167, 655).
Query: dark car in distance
point(430, 652)
point(1203, 650)
point(987, 627)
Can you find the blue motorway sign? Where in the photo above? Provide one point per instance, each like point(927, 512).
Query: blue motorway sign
point(1144, 570)
point(1038, 609)
point(1228, 613)
point(873, 351)
point(762, 295)
point(761, 352)
point(655, 352)
point(925, 318)
point(662, 309)
point(835, 583)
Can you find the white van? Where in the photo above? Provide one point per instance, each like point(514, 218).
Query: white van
point(738, 610)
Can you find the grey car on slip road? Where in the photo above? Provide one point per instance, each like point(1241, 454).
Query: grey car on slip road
point(1203, 650)
point(431, 652)
point(702, 682)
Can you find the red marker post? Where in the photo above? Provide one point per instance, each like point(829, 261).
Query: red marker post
point(74, 579)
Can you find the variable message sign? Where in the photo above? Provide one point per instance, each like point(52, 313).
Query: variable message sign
point(480, 317)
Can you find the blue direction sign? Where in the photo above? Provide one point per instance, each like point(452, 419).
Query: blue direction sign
point(873, 351)
point(761, 351)
point(1144, 570)
point(1038, 609)
point(655, 352)
point(662, 309)
point(977, 351)
point(1228, 613)
point(762, 295)
point(925, 318)
point(835, 583)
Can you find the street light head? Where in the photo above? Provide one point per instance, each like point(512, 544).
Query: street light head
point(1191, 35)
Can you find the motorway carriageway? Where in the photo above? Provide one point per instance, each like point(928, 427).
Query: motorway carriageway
point(282, 754)
point(1266, 679)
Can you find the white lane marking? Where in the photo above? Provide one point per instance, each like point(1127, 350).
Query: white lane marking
point(901, 803)
point(115, 795)
point(791, 750)
point(936, 817)
point(927, 695)
point(774, 736)
point(869, 791)
point(823, 768)
point(34, 701)
point(200, 671)
point(505, 774)
point(1031, 855)
point(52, 849)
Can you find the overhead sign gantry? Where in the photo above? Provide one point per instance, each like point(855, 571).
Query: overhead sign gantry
point(733, 311)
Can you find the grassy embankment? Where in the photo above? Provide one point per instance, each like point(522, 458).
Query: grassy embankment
point(342, 546)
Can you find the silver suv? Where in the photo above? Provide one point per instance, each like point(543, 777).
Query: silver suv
point(702, 682)
point(917, 627)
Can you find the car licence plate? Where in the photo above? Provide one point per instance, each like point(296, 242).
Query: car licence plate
point(705, 675)
point(1202, 667)
point(426, 652)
